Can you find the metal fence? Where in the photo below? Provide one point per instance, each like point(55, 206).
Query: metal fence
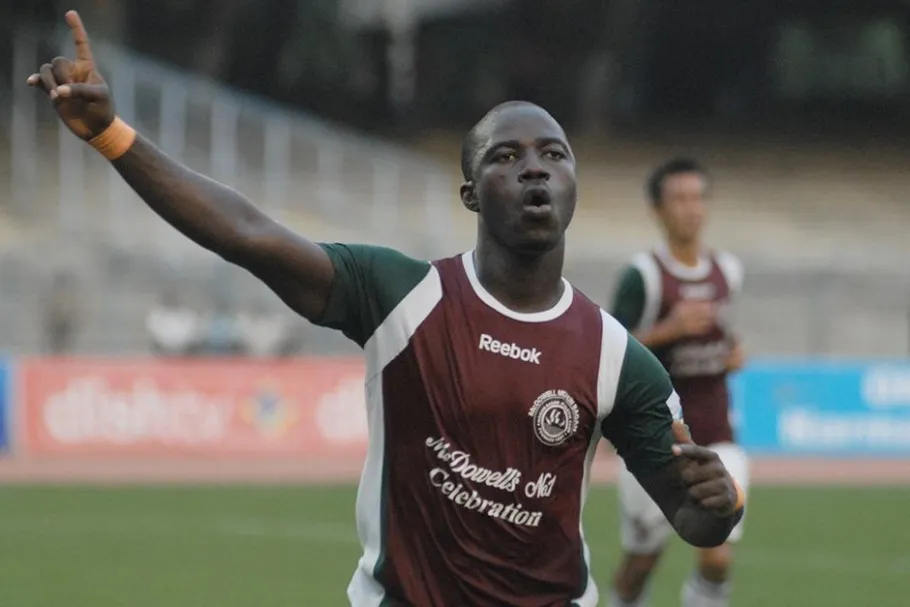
point(290, 163)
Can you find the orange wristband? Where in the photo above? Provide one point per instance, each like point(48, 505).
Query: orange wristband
point(740, 496)
point(115, 140)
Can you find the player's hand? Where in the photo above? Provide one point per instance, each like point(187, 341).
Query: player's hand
point(736, 360)
point(709, 484)
point(76, 89)
point(692, 317)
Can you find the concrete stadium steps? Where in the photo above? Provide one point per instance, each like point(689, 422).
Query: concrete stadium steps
point(780, 312)
point(106, 210)
point(791, 208)
point(117, 287)
point(789, 311)
point(13, 231)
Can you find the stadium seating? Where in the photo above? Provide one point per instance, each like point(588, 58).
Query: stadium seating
point(819, 228)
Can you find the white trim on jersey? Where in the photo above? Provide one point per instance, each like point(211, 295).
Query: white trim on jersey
point(363, 589)
point(613, 342)
point(650, 275)
point(486, 297)
point(393, 335)
point(700, 271)
point(591, 595)
point(387, 342)
point(732, 269)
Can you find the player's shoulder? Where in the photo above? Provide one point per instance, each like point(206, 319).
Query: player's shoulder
point(642, 276)
point(450, 262)
point(613, 330)
point(725, 257)
point(368, 255)
point(643, 262)
point(642, 270)
point(732, 268)
point(378, 275)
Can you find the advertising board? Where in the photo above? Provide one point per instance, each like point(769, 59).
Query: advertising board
point(87, 407)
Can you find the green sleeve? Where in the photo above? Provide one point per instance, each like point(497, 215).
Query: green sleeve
point(629, 299)
point(640, 424)
point(369, 282)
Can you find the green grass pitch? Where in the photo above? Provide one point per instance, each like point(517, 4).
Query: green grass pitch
point(296, 546)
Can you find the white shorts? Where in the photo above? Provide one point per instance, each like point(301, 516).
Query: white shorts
point(643, 527)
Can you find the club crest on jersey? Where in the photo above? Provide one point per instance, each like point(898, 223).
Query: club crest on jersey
point(555, 417)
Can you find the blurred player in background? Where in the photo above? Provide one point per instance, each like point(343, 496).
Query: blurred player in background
point(676, 299)
point(490, 379)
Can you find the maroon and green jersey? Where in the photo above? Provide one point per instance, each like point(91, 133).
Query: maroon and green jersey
point(482, 426)
point(649, 288)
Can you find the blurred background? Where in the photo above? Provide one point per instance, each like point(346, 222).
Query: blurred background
point(343, 118)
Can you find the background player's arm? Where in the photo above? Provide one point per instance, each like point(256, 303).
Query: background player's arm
point(736, 360)
point(693, 489)
point(628, 304)
point(211, 214)
point(686, 318)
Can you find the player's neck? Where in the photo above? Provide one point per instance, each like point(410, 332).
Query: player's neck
point(687, 253)
point(525, 284)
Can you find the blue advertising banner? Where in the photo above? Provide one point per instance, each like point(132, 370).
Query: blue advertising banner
point(824, 408)
point(5, 404)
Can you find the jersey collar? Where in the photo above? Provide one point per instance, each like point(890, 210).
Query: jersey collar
point(682, 271)
point(568, 294)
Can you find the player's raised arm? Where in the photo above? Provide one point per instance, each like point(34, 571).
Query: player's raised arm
point(689, 483)
point(211, 214)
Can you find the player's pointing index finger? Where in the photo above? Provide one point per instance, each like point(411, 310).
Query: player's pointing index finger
point(80, 36)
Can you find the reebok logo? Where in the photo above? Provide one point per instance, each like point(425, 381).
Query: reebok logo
point(528, 355)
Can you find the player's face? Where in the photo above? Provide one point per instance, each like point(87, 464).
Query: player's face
point(524, 186)
point(683, 208)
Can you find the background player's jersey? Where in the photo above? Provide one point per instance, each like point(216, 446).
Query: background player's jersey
point(483, 423)
point(649, 288)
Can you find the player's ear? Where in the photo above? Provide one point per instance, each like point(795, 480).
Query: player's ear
point(469, 197)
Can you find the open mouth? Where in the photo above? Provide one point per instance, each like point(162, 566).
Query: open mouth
point(536, 203)
point(536, 198)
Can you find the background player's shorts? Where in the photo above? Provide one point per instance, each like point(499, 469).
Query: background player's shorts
point(643, 527)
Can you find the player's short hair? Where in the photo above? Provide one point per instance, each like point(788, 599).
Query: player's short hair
point(472, 141)
point(675, 166)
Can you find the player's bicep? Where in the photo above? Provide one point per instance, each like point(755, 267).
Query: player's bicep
point(369, 282)
point(297, 270)
point(640, 425)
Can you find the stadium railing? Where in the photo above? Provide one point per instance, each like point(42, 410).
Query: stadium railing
point(296, 166)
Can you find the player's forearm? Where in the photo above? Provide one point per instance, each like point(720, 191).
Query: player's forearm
point(209, 213)
point(660, 334)
point(703, 528)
